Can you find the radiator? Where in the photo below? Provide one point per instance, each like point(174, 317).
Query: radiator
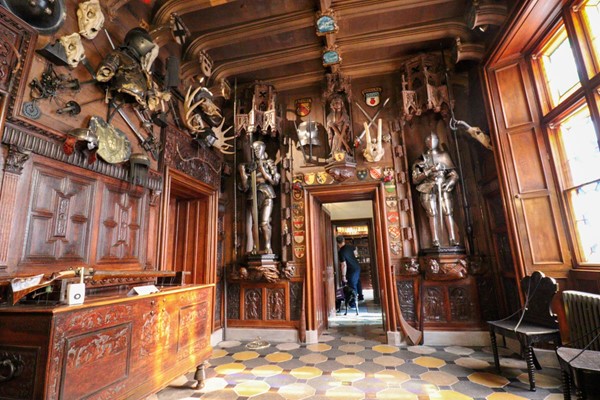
point(583, 315)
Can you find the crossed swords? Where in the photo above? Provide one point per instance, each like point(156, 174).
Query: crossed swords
point(371, 119)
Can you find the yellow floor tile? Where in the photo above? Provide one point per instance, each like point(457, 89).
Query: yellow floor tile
point(267, 370)
point(541, 381)
point(449, 395)
point(392, 377)
point(218, 353)
point(388, 361)
point(251, 388)
point(439, 378)
point(429, 362)
point(297, 391)
point(345, 393)
point(320, 347)
point(306, 372)
point(245, 355)
point(231, 368)
point(489, 380)
point(278, 357)
point(506, 396)
point(385, 349)
point(348, 374)
point(396, 394)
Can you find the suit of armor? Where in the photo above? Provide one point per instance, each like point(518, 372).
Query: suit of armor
point(266, 177)
point(435, 176)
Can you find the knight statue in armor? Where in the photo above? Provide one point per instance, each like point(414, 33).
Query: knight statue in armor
point(258, 179)
point(127, 70)
point(435, 176)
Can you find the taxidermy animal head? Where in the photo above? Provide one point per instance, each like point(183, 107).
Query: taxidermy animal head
point(74, 49)
point(90, 18)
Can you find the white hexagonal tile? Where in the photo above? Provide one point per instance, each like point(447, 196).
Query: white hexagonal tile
point(388, 361)
point(297, 391)
point(421, 349)
point(459, 350)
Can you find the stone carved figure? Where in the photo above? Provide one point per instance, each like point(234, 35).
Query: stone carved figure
point(259, 177)
point(435, 176)
point(90, 18)
point(338, 126)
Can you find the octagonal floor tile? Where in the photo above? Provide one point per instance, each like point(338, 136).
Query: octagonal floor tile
point(352, 339)
point(287, 346)
point(513, 363)
point(319, 347)
point(326, 338)
point(350, 359)
point(554, 396)
point(506, 396)
point(265, 371)
point(278, 357)
point(345, 392)
point(306, 372)
point(213, 384)
point(396, 394)
point(489, 380)
point(439, 378)
point(229, 343)
point(229, 369)
point(313, 358)
point(245, 355)
point(388, 361)
point(351, 348)
point(348, 374)
point(251, 388)
point(502, 351)
point(429, 362)
point(541, 380)
point(297, 391)
point(472, 363)
point(392, 377)
point(459, 350)
point(218, 353)
point(448, 395)
point(385, 349)
point(421, 349)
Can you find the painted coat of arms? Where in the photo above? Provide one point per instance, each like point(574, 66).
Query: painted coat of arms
point(376, 173)
point(303, 106)
point(372, 96)
point(362, 174)
point(299, 251)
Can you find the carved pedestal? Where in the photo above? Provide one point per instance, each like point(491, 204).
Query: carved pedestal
point(341, 170)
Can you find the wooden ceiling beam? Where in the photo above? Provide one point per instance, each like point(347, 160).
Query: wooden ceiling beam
point(353, 8)
point(182, 7)
point(393, 37)
point(253, 30)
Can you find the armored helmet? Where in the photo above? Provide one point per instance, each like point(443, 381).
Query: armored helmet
point(139, 40)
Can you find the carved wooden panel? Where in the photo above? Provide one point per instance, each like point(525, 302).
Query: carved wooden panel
point(526, 161)
point(24, 361)
point(253, 304)
point(193, 328)
point(106, 350)
point(406, 296)
point(60, 214)
point(488, 298)
point(233, 301)
point(120, 235)
point(546, 249)
point(15, 40)
point(434, 304)
point(295, 300)
point(513, 96)
point(276, 304)
point(462, 304)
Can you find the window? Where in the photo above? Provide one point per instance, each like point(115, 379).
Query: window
point(570, 103)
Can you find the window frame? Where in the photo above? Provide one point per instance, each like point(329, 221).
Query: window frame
point(588, 68)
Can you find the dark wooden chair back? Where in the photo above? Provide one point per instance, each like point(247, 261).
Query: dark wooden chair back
point(539, 291)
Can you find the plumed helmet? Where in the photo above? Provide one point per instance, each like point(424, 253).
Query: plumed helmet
point(139, 40)
point(86, 136)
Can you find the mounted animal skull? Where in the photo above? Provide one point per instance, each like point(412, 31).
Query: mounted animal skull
point(199, 105)
point(74, 48)
point(475, 132)
point(90, 18)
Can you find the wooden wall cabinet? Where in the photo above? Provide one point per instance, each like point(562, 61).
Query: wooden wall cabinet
point(108, 348)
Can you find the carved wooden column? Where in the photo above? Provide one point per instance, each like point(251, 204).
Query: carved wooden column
point(15, 160)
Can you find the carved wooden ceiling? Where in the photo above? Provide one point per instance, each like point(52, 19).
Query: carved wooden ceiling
point(276, 40)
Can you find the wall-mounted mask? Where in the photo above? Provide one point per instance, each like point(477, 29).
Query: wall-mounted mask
point(74, 49)
point(91, 18)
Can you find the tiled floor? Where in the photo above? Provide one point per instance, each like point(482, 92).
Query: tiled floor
point(351, 362)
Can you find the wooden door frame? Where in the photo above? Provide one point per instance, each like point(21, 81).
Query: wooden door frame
point(177, 182)
point(375, 192)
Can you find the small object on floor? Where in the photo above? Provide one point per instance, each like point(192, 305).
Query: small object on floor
point(258, 344)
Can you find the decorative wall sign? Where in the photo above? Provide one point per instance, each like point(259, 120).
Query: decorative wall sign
point(326, 23)
point(391, 202)
point(299, 251)
point(372, 96)
point(394, 231)
point(376, 172)
point(323, 178)
point(309, 178)
point(390, 187)
point(395, 247)
point(303, 106)
point(393, 216)
point(299, 237)
point(331, 56)
point(362, 174)
point(298, 222)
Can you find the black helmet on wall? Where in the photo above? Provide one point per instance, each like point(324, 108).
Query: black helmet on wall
point(139, 40)
point(46, 16)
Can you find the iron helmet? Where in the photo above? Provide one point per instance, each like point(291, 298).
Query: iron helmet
point(139, 40)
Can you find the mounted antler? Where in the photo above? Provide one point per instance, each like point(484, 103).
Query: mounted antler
point(221, 142)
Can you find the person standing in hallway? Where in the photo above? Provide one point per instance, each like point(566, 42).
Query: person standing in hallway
point(349, 266)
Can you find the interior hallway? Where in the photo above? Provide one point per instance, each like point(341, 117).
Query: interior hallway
point(350, 362)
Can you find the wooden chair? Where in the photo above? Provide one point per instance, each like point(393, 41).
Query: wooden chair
point(533, 323)
point(580, 359)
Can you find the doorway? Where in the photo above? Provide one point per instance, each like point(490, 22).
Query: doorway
point(189, 230)
point(354, 222)
point(318, 289)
